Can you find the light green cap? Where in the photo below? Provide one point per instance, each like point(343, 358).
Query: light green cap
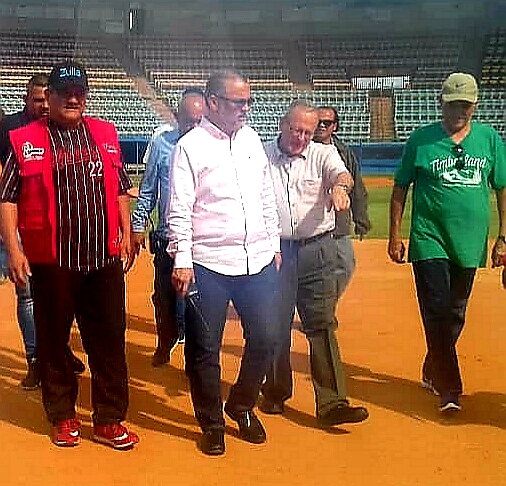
point(460, 87)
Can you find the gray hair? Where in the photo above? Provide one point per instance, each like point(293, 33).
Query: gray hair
point(299, 104)
point(217, 80)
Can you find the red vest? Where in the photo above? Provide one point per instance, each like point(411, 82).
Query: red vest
point(37, 203)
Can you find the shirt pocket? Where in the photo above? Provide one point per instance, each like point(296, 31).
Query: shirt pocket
point(33, 203)
point(31, 168)
point(312, 190)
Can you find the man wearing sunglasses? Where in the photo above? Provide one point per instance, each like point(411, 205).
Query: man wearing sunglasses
point(452, 164)
point(328, 125)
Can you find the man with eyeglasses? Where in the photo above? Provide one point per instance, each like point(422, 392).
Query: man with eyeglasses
point(65, 189)
point(452, 164)
point(154, 190)
point(224, 237)
point(328, 125)
point(311, 183)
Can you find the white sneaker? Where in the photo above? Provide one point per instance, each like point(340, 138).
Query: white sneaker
point(450, 405)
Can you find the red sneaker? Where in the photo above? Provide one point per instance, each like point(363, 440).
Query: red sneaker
point(67, 433)
point(115, 435)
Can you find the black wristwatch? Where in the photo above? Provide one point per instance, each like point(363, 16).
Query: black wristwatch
point(501, 238)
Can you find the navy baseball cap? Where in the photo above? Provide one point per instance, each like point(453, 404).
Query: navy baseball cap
point(68, 75)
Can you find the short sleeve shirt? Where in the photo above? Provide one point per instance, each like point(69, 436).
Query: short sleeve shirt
point(451, 205)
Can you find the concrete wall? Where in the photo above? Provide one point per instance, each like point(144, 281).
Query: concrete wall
point(283, 18)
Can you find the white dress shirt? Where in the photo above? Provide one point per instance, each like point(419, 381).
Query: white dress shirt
point(222, 212)
point(302, 185)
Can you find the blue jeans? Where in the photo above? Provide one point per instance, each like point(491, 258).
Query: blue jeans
point(25, 319)
point(180, 312)
point(24, 308)
point(443, 290)
point(254, 298)
point(4, 265)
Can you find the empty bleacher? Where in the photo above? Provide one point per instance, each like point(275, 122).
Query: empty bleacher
point(491, 109)
point(428, 60)
point(112, 95)
point(419, 107)
point(414, 108)
point(170, 65)
point(494, 61)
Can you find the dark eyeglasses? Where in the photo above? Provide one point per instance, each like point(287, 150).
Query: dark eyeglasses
point(326, 123)
point(241, 103)
point(458, 152)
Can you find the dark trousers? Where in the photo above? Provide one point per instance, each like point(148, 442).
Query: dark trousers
point(443, 290)
point(97, 301)
point(164, 300)
point(254, 298)
point(308, 283)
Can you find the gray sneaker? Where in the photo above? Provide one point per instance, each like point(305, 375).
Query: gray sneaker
point(449, 404)
point(428, 385)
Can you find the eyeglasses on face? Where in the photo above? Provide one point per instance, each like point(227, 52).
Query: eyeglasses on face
point(240, 103)
point(459, 153)
point(326, 123)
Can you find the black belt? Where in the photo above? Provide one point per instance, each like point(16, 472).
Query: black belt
point(307, 241)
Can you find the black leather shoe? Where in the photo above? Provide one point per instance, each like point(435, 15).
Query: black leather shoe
point(270, 407)
point(32, 379)
point(160, 357)
point(213, 442)
point(162, 353)
point(250, 428)
point(344, 414)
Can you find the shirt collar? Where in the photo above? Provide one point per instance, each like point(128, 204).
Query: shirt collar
point(215, 131)
point(283, 158)
point(54, 125)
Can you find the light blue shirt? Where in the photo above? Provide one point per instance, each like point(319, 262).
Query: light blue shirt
point(155, 185)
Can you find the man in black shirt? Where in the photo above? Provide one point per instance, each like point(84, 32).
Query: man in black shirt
point(328, 125)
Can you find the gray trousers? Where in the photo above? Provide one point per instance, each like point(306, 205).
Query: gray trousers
point(345, 263)
point(308, 284)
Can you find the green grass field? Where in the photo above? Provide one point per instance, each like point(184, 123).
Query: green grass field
point(379, 207)
point(379, 203)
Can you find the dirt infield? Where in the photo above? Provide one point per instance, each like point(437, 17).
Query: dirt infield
point(373, 182)
point(404, 442)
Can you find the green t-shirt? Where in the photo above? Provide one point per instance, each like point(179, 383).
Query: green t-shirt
point(451, 209)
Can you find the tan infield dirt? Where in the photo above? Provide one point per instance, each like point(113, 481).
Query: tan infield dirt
point(373, 182)
point(404, 442)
